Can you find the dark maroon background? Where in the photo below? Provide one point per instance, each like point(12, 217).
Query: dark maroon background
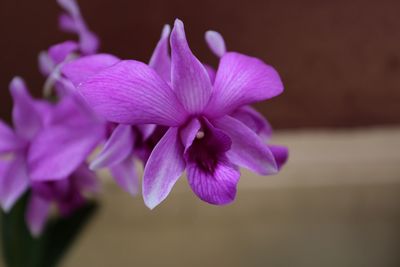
point(339, 60)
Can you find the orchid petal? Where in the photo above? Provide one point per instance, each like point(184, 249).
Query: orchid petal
point(247, 149)
point(46, 64)
point(218, 187)
point(241, 80)
point(9, 141)
point(79, 70)
point(59, 52)
point(130, 92)
point(67, 23)
point(89, 42)
point(37, 213)
point(160, 61)
point(70, 6)
point(146, 130)
point(190, 79)
point(124, 173)
point(188, 133)
point(14, 180)
point(216, 43)
point(26, 118)
point(254, 120)
point(280, 153)
point(163, 168)
point(117, 148)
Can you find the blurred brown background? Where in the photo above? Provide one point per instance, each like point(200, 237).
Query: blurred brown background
point(339, 60)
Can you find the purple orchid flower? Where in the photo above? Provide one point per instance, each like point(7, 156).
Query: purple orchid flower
point(202, 136)
point(126, 142)
point(50, 143)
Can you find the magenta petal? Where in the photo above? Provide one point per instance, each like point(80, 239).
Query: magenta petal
point(216, 43)
point(280, 153)
point(254, 120)
point(219, 187)
point(67, 23)
point(130, 92)
point(211, 72)
point(242, 80)
point(189, 77)
point(188, 133)
point(79, 70)
point(85, 179)
point(163, 168)
point(36, 214)
point(247, 149)
point(14, 180)
point(9, 141)
point(146, 130)
point(59, 52)
point(26, 117)
point(160, 61)
point(46, 64)
point(117, 148)
point(124, 173)
point(89, 42)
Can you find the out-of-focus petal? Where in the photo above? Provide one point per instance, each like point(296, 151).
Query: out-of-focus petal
point(36, 214)
point(216, 43)
point(130, 92)
point(160, 61)
point(9, 141)
point(70, 6)
point(14, 180)
point(59, 52)
point(188, 133)
point(146, 130)
point(219, 187)
point(89, 42)
point(79, 70)
point(67, 23)
point(124, 173)
point(247, 149)
point(281, 154)
point(46, 64)
point(190, 79)
point(254, 120)
point(117, 148)
point(26, 118)
point(163, 168)
point(241, 80)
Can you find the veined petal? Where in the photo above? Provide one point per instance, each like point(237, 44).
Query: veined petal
point(124, 173)
point(130, 92)
point(79, 70)
point(247, 149)
point(9, 141)
point(254, 120)
point(59, 52)
point(117, 148)
point(216, 43)
point(36, 214)
point(281, 154)
point(190, 79)
point(26, 117)
point(241, 80)
point(160, 61)
point(218, 187)
point(14, 180)
point(163, 168)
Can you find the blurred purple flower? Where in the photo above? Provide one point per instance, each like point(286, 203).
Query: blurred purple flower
point(49, 143)
point(202, 136)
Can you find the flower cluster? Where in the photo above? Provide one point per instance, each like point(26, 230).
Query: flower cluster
point(174, 114)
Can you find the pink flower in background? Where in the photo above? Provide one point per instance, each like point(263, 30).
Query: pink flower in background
point(202, 137)
point(49, 143)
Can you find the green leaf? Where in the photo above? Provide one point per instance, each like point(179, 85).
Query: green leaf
point(20, 249)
